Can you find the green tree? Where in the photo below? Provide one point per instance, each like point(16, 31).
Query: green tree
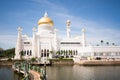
point(58, 52)
point(9, 53)
point(51, 52)
point(1, 52)
point(61, 52)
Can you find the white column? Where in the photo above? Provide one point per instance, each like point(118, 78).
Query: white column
point(18, 48)
point(34, 43)
point(83, 37)
point(68, 28)
point(38, 53)
point(55, 40)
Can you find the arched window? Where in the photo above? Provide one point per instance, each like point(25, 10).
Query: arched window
point(47, 50)
point(41, 54)
point(74, 52)
point(24, 52)
point(27, 52)
point(30, 52)
point(42, 50)
point(47, 54)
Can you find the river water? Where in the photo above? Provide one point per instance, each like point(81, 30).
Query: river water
point(71, 72)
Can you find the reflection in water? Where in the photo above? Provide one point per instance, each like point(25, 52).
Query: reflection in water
point(73, 72)
point(77, 72)
point(6, 73)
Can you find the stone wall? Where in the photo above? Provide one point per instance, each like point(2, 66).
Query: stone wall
point(62, 61)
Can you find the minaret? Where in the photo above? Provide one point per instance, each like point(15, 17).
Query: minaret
point(68, 28)
point(19, 44)
point(83, 37)
point(55, 40)
point(34, 43)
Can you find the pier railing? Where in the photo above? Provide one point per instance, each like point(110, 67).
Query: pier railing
point(25, 69)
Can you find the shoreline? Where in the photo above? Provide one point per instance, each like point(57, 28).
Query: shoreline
point(71, 62)
point(98, 63)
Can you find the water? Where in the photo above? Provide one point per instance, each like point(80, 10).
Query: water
point(6, 73)
point(75, 72)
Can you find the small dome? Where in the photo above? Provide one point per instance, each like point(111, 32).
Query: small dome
point(83, 30)
point(45, 20)
point(68, 22)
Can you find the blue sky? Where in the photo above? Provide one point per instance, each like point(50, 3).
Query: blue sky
point(100, 18)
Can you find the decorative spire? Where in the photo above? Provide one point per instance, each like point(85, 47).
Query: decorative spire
point(46, 14)
point(34, 29)
point(83, 30)
point(68, 22)
point(19, 28)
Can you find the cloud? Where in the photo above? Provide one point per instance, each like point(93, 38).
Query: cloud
point(95, 31)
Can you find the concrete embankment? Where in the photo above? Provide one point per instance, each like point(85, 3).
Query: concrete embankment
point(62, 61)
point(71, 62)
point(98, 63)
point(6, 63)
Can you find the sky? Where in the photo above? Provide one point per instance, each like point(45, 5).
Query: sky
point(100, 18)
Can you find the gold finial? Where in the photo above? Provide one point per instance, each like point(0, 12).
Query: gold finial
point(46, 14)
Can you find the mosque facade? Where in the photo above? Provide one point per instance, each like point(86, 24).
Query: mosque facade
point(45, 43)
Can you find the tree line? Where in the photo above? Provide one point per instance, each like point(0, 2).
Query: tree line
point(8, 53)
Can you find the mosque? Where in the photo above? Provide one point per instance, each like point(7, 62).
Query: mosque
point(45, 43)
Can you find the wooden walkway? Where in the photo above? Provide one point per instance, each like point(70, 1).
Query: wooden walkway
point(34, 75)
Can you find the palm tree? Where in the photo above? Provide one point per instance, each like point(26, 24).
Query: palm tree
point(64, 53)
point(51, 52)
point(61, 52)
point(107, 43)
point(101, 42)
point(58, 52)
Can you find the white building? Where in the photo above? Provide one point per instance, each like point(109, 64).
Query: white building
point(45, 43)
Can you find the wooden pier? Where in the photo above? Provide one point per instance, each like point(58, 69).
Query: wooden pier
point(34, 75)
point(30, 72)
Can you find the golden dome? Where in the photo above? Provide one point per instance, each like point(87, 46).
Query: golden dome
point(45, 20)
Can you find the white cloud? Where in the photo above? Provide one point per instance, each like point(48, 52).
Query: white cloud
point(95, 31)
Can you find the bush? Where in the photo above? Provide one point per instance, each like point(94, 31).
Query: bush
point(33, 60)
point(98, 58)
point(9, 60)
point(61, 57)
